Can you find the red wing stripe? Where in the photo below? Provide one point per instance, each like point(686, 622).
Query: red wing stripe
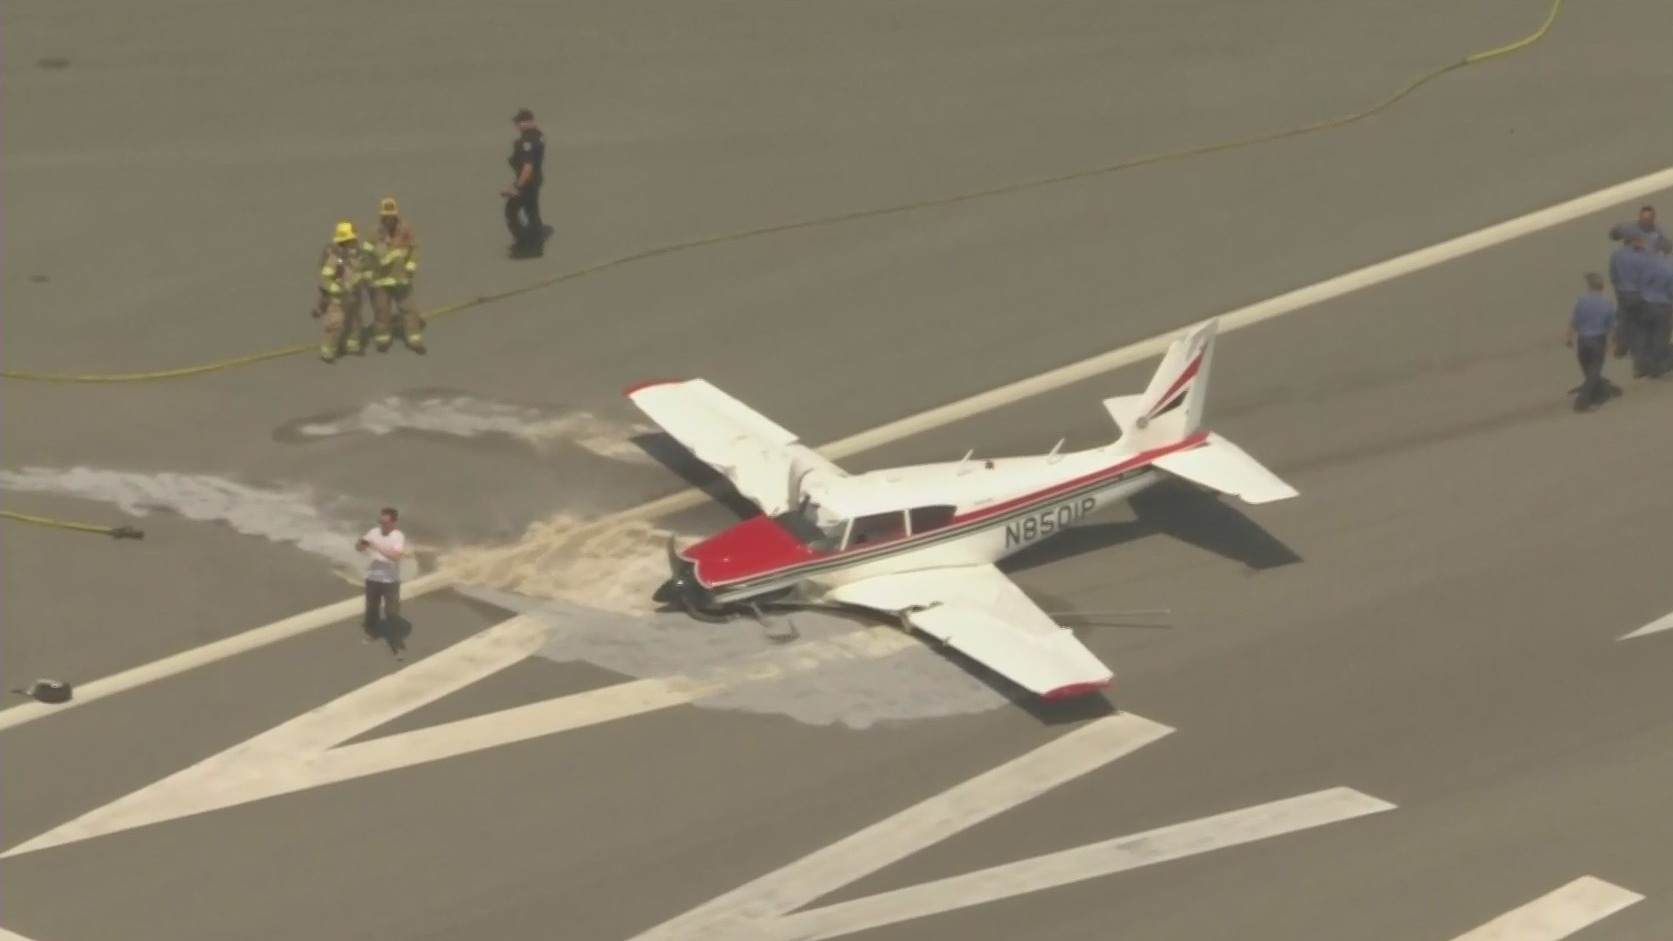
point(649, 383)
point(1075, 689)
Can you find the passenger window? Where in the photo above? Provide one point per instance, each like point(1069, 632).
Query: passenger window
point(926, 518)
point(880, 527)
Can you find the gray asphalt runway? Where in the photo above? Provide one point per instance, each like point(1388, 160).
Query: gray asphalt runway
point(1424, 422)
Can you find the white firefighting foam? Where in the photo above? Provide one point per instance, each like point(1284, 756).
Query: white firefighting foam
point(467, 417)
point(593, 581)
point(291, 516)
point(807, 678)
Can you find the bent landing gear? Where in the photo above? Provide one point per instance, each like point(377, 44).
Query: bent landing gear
point(674, 596)
point(778, 637)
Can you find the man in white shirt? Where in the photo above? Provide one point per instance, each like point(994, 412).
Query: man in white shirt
point(384, 546)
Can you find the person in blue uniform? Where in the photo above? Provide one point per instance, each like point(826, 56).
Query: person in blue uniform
point(1626, 273)
point(1647, 228)
point(1655, 317)
point(1589, 327)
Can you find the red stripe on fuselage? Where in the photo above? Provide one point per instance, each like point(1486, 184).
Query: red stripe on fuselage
point(759, 547)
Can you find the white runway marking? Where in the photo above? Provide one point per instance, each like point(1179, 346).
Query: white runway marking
point(1054, 379)
point(919, 683)
point(292, 626)
point(1557, 914)
point(299, 755)
point(1080, 752)
point(1663, 623)
point(1091, 861)
point(1289, 303)
point(591, 708)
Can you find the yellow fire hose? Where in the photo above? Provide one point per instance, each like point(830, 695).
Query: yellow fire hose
point(115, 532)
point(486, 299)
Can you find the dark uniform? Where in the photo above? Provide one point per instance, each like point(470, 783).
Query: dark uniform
point(1589, 326)
point(522, 202)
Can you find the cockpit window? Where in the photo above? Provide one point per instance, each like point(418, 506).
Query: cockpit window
point(819, 530)
point(926, 518)
point(879, 527)
point(810, 525)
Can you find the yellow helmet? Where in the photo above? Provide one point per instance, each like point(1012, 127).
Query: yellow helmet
point(344, 233)
point(388, 207)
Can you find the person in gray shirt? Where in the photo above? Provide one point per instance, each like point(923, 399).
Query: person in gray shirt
point(1655, 240)
point(1589, 326)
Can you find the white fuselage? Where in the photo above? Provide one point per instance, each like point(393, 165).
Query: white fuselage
point(976, 485)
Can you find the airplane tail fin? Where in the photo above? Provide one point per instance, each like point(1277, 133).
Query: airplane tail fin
point(1171, 407)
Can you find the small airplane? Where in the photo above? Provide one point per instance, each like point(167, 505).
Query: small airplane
point(918, 544)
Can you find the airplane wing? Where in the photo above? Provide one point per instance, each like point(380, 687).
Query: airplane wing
point(763, 461)
point(978, 611)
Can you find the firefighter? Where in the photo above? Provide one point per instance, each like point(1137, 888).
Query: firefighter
point(395, 262)
point(342, 270)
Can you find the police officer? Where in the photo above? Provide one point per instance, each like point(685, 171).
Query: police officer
point(1656, 241)
point(1588, 334)
point(1656, 316)
point(1626, 275)
point(522, 199)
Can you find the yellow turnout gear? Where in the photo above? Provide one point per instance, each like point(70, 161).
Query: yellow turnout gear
point(395, 263)
point(343, 268)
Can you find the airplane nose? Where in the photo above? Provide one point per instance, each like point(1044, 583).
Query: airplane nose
point(667, 593)
point(681, 577)
point(683, 590)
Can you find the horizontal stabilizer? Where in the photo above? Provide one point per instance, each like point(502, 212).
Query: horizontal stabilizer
point(763, 461)
point(1221, 465)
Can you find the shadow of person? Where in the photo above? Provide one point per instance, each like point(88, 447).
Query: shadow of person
point(394, 632)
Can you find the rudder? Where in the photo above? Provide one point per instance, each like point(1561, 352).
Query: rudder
point(1171, 407)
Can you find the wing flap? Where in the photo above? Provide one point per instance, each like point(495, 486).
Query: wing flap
point(982, 614)
point(1221, 465)
point(762, 460)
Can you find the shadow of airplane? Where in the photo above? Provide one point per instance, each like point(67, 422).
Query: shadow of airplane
point(1171, 508)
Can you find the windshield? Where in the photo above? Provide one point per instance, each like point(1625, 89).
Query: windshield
point(810, 527)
